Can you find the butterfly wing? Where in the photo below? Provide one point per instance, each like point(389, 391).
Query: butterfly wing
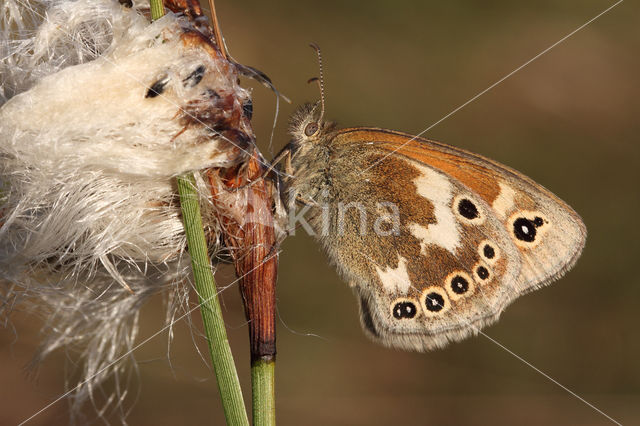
point(471, 235)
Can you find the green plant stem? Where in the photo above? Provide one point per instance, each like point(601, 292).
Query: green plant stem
point(157, 9)
point(221, 356)
point(263, 391)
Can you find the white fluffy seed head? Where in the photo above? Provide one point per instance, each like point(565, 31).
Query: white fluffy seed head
point(88, 160)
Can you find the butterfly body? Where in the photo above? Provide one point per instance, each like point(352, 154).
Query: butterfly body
point(435, 241)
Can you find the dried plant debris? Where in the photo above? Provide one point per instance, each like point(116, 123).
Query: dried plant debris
point(99, 112)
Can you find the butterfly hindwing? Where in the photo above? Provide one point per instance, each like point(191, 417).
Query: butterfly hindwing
point(472, 236)
point(434, 273)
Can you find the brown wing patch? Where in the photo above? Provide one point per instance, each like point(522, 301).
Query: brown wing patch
point(456, 164)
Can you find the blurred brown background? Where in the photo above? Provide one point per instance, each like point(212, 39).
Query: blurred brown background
point(569, 120)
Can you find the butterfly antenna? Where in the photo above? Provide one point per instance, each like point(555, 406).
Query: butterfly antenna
point(319, 80)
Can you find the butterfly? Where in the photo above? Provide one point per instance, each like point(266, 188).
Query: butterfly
point(434, 240)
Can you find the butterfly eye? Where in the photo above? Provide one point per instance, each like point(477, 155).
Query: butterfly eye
point(435, 301)
point(467, 210)
point(527, 227)
point(482, 272)
point(458, 285)
point(311, 129)
point(524, 229)
point(489, 252)
point(404, 309)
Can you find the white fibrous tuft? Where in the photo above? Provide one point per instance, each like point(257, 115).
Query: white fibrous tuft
point(99, 112)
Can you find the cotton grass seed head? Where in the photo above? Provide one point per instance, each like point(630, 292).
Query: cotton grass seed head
point(99, 112)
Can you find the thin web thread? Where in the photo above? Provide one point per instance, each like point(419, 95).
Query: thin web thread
point(518, 357)
point(123, 356)
point(494, 85)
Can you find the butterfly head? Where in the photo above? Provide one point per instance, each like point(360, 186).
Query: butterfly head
point(307, 126)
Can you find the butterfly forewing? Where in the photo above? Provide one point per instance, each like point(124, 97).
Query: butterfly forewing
point(436, 241)
point(549, 234)
point(473, 235)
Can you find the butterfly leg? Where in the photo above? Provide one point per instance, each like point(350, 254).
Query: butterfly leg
point(285, 155)
point(306, 201)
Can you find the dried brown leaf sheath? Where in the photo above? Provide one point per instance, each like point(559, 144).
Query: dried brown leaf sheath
point(243, 201)
point(249, 232)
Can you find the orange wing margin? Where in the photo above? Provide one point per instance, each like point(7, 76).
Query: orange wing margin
point(470, 169)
